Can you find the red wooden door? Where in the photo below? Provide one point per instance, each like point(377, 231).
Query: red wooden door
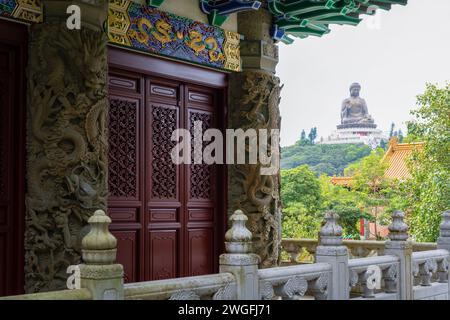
point(13, 41)
point(164, 215)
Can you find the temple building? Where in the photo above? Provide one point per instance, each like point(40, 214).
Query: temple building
point(357, 125)
point(91, 92)
point(396, 158)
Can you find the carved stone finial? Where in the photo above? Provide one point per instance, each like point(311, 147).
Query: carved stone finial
point(398, 229)
point(445, 225)
point(238, 238)
point(99, 246)
point(444, 235)
point(331, 231)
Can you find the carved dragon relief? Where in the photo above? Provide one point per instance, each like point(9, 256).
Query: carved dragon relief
point(66, 148)
point(256, 106)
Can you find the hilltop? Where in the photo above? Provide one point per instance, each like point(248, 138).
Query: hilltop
point(330, 159)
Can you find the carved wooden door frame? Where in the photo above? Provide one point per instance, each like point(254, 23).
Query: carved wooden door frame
point(129, 64)
point(14, 36)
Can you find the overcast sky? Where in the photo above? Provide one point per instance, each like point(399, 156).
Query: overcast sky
point(392, 63)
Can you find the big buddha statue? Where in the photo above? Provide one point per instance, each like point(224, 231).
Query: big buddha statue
point(354, 110)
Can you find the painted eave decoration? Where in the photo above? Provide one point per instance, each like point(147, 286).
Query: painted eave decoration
point(150, 30)
point(219, 10)
point(210, 45)
point(155, 3)
point(30, 11)
point(303, 18)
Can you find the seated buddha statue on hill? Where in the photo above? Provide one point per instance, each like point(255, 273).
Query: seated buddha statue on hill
point(354, 109)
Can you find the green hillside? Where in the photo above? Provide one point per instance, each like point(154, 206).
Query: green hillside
point(330, 159)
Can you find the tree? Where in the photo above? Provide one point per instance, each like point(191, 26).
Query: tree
point(391, 133)
point(400, 136)
point(428, 191)
point(303, 139)
point(299, 223)
point(301, 195)
point(300, 185)
point(371, 184)
point(346, 203)
point(383, 144)
point(312, 136)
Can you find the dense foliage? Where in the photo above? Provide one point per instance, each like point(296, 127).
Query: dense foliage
point(330, 159)
point(301, 185)
point(427, 193)
point(346, 203)
point(302, 201)
point(306, 197)
point(372, 187)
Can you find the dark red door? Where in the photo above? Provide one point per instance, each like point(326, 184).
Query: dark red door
point(13, 42)
point(164, 215)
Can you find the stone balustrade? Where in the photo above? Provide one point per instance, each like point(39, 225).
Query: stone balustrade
point(76, 294)
point(363, 277)
point(220, 286)
point(303, 250)
point(295, 282)
point(396, 273)
point(431, 276)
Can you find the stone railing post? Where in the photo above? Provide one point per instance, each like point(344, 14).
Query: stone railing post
point(99, 273)
point(444, 235)
point(444, 243)
point(399, 245)
point(332, 251)
point(238, 260)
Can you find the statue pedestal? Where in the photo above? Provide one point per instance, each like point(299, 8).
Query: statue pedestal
point(357, 126)
point(356, 133)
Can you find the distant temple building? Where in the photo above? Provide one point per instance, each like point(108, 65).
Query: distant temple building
point(396, 157)
point(357, 125)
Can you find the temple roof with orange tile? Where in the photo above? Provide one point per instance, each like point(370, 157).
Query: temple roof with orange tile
point(342, 181)
point(396, 156)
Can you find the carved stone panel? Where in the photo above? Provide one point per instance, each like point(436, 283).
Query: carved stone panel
point(254, 104)
point(66, 148)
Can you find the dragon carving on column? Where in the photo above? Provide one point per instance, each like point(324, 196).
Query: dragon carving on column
point(255, 105)
point(66, 148)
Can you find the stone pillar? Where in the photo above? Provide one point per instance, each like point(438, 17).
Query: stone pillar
point(254, 96)
point(100, 275)
point(399, 245)
point(332, 251)
point(444, 243)
point(366, 229)
point(444, 235)
point(66, 139)
point(238, 260)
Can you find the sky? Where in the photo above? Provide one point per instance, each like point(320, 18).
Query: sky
point(391, 55)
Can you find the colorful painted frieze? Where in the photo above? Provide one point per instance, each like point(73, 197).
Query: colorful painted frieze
point(148, 29)
point(25, 10)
